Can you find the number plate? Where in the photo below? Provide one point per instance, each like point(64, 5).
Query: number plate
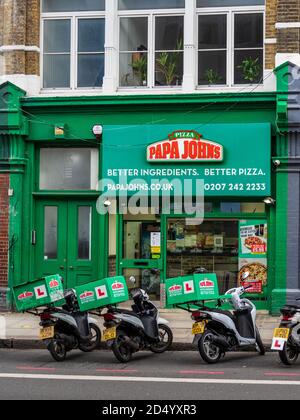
point(47, 333)
point(198, 328)
point(281, 336)
point(110, 334)
point(282, 333)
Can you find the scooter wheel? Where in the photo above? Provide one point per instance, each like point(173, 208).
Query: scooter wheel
point(120, 349)
point(94, 341)
point(209, 352)
point(260, 344)
point(166, 340)
point(288, 355)
point(57, 350)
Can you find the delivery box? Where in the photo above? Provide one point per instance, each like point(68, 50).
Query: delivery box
point(194, 288)
point(109, 291)
point(42, 292)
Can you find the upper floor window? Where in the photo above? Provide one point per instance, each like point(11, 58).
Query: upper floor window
point(151, 50)
point(52, 6)
point(230, 48)
point(150, 4)
point(73, 44)
point(229, 3)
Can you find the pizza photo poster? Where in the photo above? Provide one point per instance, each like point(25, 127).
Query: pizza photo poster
point(253, 255)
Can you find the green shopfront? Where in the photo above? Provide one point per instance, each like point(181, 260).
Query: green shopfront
point(218, 145)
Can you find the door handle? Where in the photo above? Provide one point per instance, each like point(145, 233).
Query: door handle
point(71, 267)
point(62, 267)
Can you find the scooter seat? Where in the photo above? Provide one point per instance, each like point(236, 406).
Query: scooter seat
point(227, 313)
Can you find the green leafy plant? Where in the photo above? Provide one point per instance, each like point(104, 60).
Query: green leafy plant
point(167, 64)
point(250, 68)
point(212, 77)
point(139, 67)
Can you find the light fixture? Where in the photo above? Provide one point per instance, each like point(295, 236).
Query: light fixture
point(269, 201)
point(98, 131)
point(107, 203)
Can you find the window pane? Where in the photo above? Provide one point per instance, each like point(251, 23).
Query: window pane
point(50, 233)
point(224, 3)
point(57, 36)
point(150, 4)
point(169, 33)
point(248, 66)
point(68, 169)
point(249, 31)
point(56, 71)
point(137, 240)
point(134, 34)
point(90, 70)
point(73, 5)
point(91, 34)
point(212, 32)
point(133, 69)
point(149, 280)
point(212, 67)
point(84, 233)
point(168, 69)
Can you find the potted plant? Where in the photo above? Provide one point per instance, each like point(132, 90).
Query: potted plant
point(212, 77)
point(251, 69)
point(167, 64)
point(139, 67)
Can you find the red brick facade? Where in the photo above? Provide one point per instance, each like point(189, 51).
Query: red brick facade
point(4, 222)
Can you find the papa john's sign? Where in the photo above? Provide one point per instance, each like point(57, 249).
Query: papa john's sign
point(185, 146)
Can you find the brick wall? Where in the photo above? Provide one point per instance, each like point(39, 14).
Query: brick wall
point(19, 25)
point(4, 220)
point(288, 39)
point(271, 19)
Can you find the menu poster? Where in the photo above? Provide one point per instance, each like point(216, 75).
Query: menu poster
point(253, 263)
point(253, 238)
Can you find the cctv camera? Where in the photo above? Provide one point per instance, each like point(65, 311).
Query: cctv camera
point(277, 162)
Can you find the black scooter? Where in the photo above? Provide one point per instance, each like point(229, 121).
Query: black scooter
point(128, 332)
point(67, 329)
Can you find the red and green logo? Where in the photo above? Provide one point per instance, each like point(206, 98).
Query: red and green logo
point(25, 295)
point(206, 284)
point(53, 284)
point(185, 146)
point(86, 296)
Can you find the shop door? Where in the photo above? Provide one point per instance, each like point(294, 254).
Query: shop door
point(141, 252)
point(67, 241)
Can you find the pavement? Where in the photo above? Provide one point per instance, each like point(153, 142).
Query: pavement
point(174, 376)
point(22, 330)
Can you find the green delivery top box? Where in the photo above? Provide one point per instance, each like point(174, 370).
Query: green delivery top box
point(43, 292)
point(194, 288)
point(109, 291)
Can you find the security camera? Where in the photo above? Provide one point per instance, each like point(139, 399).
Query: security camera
point(277, 162)
point(97, 131)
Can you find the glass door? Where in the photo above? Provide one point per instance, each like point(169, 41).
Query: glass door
point(140, 248)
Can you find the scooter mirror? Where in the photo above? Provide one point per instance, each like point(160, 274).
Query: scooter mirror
point(246, 275)
point(132, 280)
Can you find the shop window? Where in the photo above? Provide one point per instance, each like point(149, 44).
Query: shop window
point(212, 245)
point(212, 55)
point(230, 207)
point(50, 6)
point(73, 62)
point(68, 169)
point(150, 4)
point(139, 237)
point(144, 64)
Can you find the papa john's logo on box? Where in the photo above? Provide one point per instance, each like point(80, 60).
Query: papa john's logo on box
point(185, 146)
point(175, 290)
point(25, 296)
point(87, 296)
point(118, 289)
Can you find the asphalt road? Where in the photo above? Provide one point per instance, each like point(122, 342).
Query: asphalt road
point(31, 374)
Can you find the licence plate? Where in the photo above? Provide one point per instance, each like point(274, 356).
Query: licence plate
point(198, 328)
point(110, 334)
point(280, 337)
point(46, 333)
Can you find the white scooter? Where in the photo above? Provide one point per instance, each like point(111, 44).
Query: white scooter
point(222, 331)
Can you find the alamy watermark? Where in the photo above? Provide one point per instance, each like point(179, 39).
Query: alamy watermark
point(158, 196)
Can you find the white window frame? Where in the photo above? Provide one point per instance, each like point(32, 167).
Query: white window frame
point(74, 17)
point(230, 12)
point(151, 15)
